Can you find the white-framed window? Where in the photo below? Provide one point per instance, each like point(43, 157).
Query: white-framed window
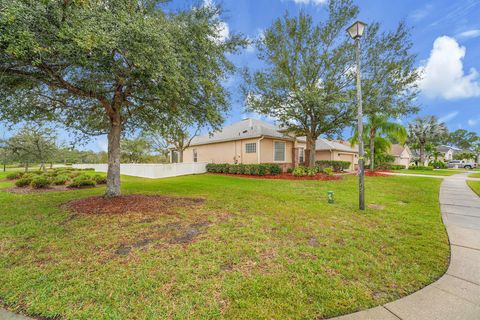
point(301, 155)
point(279, 150)
point(251, 147)
point(195, 155)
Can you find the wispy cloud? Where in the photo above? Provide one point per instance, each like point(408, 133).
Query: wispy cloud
point(470, 33)
point(472, 122)
point(421, 13)
point(448, 117)
point(315, 2)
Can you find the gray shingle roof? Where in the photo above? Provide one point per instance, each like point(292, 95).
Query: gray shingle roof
point(244, 129)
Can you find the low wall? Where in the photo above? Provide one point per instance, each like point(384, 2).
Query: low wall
point(153, 170)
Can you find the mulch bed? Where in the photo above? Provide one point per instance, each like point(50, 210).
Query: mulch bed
point(369, 173)
point(131, 203)
point(285, 176)
point(27, 190)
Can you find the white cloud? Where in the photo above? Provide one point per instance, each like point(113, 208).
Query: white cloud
point(443, 74)
point(448, 117)
point(419, 14)
point(315, 2)
point(470, 33)
point(102, 144)
point(223, 31)
point(472, 122)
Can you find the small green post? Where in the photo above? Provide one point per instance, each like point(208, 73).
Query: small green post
point(330, 197)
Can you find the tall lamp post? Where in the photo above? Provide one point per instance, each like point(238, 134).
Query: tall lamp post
point(356, 31)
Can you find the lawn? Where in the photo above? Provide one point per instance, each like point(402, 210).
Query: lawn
point(474, 175)
point(267, 249)
point(436, 172)
point(474, 185)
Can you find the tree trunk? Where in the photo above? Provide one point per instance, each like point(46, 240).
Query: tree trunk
point(113, 174)
point(310, 153)
point(372, 151)
point(180, 156)
point(26, 166)
point(422, 154)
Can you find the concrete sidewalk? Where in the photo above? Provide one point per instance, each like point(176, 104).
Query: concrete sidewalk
point(456, 295)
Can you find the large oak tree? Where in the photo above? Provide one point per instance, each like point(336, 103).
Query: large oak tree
point(307, 80)
point(111, 66)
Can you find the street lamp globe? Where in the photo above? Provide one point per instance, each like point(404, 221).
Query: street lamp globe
point(356, 30)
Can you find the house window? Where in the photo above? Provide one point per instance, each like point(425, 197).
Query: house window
point(251, 147)
point(195, 155)
point(301, 155)
point(279, 151)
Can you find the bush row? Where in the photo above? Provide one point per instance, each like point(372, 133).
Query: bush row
point(420, 168)
point(337, 166)
point(249, 169)
point(302, 171)
point(40, 179)
point(388, 166)
point(437, 164)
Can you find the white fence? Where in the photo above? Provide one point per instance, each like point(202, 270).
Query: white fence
point(153, 171)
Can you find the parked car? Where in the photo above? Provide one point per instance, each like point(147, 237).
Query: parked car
point(461, 164)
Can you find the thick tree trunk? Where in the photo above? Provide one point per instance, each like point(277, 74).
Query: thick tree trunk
point(180, 156)
point(113, 173)
point(310, 153)
point(422, 154)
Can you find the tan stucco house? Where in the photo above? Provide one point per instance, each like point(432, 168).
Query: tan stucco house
point(251, 141)
point(402, 154)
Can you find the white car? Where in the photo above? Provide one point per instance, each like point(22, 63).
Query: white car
point(461, 164)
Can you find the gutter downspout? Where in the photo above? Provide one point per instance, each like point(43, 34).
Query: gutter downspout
point(258, 151)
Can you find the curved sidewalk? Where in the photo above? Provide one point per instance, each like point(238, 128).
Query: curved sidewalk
point(456, 295)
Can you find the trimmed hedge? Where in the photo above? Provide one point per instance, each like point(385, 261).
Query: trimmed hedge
point(337, 166)
point(248, 169)
point(420, 168)
point(40, 182)
point(389, 166)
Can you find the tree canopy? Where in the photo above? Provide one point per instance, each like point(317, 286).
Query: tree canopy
point(111, 66)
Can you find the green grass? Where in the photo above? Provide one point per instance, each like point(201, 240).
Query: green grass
point(436, 172)
point(474, 185)
point(474, 175)
point(273, 249)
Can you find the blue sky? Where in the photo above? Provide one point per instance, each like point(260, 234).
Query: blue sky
point(446, 37)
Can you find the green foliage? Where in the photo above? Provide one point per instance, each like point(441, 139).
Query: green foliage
point(14, 175)
point(99, 179)
point(134, 150)
point(424, 131)
point(60, 179)
point(23, 182)
point(82, 181)
point(327, 171)
point(437, 164)
point(248, 169)
point(337, 166)
point(463, 139)
point(40, 182)
point(299, 171)
point(299, 55)
point(425, 168)
point(390, 166)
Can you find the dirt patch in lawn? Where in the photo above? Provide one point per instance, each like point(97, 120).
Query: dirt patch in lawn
point(285, 176)
point(27, 190)
point(131, 203)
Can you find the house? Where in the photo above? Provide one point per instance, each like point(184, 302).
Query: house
point(251, 141)
point(402, 154)
point(447, 152)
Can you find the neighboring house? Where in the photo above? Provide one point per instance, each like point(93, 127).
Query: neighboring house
point(252, 141)
point(446, 153)
point(402, 154)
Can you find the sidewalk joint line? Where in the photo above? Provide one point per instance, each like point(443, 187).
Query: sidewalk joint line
point(459, 245)
point(452, 275)
point(461, 214)
point(395, 315)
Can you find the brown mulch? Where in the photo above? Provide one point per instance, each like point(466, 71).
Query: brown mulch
point(27, 190)
point(285, 176)
point(377, 173)
point(131, 203)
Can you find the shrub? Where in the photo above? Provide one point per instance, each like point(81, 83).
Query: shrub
point(99, 179)
point(337, 166)
point(273, 169)
point(60, 180)
point(290, 170)
point(299, 171)
point(14, 175)
point(23, 182)
point(249, 169)
point(328, 171)
point(390, 166)
point(311, 172)
point(82, 181)
point(420, 168)
point(437, 164)
point(40, 182)
point(74, 174)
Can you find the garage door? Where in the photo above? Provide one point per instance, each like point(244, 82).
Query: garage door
point(346, 157)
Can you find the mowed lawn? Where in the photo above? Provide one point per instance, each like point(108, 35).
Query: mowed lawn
point(474, 185)
point(436, 172)
point(474, 175)
point(262, 249)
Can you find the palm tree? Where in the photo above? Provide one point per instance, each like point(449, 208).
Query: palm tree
point(379, 134)
point(426, 130)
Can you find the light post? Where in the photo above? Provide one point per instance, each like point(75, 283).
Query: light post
point(356, 31)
